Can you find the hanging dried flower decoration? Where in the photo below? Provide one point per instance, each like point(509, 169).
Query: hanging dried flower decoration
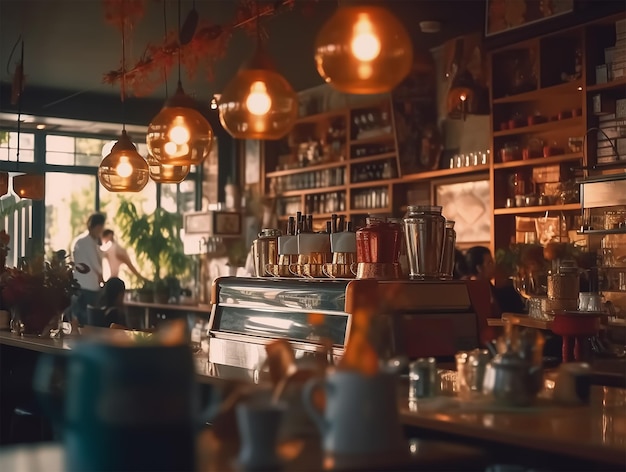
point(118, 12)
point(207, 45)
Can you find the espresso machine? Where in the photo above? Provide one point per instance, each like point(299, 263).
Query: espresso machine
point(424, 318)
point(419, 311)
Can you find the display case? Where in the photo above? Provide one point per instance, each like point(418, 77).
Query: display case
point(603, 200)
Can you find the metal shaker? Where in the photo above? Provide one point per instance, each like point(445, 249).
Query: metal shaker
point(447, 256)
point(424, 228)
point(265, 251)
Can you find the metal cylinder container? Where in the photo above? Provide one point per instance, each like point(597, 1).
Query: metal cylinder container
point(424, 228)
point(447, 256)
point(265, 251)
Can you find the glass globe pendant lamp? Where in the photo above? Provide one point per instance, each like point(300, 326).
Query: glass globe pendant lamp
point(4, 183)
point(123, 170)
point(461, 92)
point(31, 186)
point(165, 173)
point(363, 50)
point(179, 135)
point(258, 103)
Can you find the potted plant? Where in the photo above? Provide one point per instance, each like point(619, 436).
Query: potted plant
point(155, 238)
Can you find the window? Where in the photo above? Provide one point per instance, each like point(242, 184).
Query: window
point(69, 163)
point(8, 146)
point(70, 199)
point(70, 150)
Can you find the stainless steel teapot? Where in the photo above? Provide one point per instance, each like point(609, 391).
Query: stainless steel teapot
point(512, 379)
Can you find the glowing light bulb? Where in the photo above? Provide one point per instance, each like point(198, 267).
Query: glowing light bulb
point(463, 97)
point(124, 169)
point(179, 134)
point(170, 147)
point(365, 44)
point(258, 101)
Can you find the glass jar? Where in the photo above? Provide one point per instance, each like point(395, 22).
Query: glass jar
point(378, 242)
point(564, 282)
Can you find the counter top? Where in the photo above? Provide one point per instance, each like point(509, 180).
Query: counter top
point(168, 306)
point(596, 432)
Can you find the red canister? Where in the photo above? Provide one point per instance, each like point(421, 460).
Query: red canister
point(378, 242)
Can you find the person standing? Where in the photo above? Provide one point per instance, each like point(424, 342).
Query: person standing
point(115, 255)
point(86, 250)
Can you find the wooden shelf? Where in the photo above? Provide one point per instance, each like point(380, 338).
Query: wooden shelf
point(376, 157)
point(549, 126)
point(302, 170)
point(539, 161)
point(536, 209)
point(308, 191)
point(370, 211)
point(603, 231)
point(439, 173)
point(621, 82)
point(321, 116)
point(568, 87)
point(373, 183)
point(373, 139)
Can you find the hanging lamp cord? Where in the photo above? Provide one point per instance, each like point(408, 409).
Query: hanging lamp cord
point(180, 46)
point(165, 32)
point(123, 69)
point(19, 106)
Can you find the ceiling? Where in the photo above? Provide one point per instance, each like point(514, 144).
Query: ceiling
point(68, 46)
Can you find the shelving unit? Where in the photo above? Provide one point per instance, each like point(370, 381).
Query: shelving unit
point(551, 76)
point(554, 77)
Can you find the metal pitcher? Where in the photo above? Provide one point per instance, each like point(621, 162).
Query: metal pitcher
point(424, 228)
point(265, 251)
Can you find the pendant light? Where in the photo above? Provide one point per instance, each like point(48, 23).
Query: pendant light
point(31, 186)
point(179, 135)
point(363, 50)
point(123, 170)
point(165, 173)
point(258, 103)
point(461, 92)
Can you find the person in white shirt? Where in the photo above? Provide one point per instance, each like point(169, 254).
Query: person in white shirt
point(86, 250)
point(114, 256)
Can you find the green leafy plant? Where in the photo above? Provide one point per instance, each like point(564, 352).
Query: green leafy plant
point(155, 237)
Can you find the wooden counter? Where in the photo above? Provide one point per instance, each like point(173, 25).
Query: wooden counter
point(595, 433)
point(154, 309)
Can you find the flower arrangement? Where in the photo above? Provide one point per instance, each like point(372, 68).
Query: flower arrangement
point(4, 250)
point(39, 290)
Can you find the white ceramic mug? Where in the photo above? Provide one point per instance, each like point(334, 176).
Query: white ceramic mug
point(573, 383)
point(361, 415)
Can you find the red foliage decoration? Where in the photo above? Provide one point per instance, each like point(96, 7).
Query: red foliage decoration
point(209, 42)
point(118, 12)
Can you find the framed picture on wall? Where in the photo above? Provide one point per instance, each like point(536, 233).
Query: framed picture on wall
point(468, 204)
point(506, 15)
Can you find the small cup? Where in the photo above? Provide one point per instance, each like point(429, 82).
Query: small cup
point(573, 383)
point(344, 258)
point(337, 271)
point(589, 301)
point(510, 203)
point(520, 200)
point(259, 423)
